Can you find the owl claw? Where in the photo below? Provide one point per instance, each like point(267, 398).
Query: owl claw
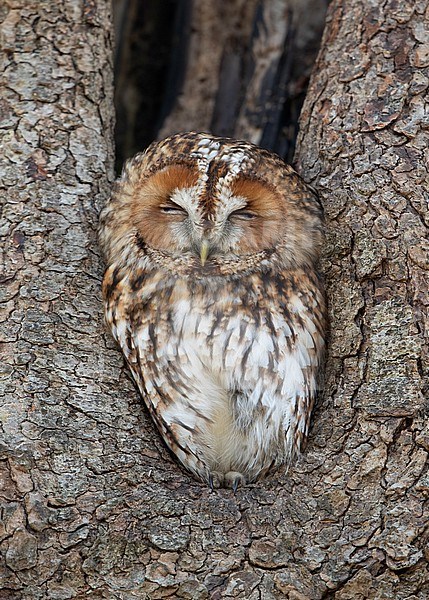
point(235, 484)
point(215, 480)
point(234, 479)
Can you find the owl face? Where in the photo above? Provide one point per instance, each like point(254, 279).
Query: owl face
point(208, 201)
point(173, 213)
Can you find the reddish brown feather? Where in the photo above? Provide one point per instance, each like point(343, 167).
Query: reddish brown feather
point(262, 200)
point(264, 231)
point(149, 196)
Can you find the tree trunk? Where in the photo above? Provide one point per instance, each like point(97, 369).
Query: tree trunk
point(62, 425)
point(93, 506)
point(364, 145)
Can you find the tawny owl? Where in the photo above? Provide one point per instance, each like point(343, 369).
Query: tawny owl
point(212, 292)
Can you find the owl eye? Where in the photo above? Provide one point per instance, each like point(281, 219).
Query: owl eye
point(243, 215)
point(173, 209)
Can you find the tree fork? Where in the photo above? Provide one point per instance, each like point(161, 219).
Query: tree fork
point(92, 503)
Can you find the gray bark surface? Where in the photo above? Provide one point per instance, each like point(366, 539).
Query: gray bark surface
point(92, 504)
point(364, 145)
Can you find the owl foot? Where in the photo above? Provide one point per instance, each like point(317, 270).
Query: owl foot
point(232, 479)
point(215, 480)
point(212, 479)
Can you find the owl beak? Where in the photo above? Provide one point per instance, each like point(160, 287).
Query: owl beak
point(204, 252)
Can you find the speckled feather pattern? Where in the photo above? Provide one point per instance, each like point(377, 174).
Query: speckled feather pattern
point(226, 354)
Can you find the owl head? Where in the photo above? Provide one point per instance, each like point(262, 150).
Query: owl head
point(202, 204)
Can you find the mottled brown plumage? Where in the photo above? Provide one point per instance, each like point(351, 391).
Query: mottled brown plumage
point(212, 292)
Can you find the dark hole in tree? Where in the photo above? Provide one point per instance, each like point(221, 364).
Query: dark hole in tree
point(150, 63)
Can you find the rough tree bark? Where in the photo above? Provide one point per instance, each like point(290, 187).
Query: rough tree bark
point(364, 145)
point(93, 506)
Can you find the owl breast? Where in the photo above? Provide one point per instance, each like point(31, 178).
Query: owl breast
point(229, 380)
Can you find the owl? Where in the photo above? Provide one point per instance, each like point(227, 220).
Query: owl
point(212, 292)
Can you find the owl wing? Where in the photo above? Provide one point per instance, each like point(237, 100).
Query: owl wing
point(166, 400)
point(304, 318)
point(276, 373)
point(132, 328)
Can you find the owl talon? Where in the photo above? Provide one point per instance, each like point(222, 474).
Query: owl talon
point(234, 479)
point(215, 480)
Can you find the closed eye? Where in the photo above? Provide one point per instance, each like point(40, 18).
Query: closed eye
point(242, 214)
point(171, 208)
